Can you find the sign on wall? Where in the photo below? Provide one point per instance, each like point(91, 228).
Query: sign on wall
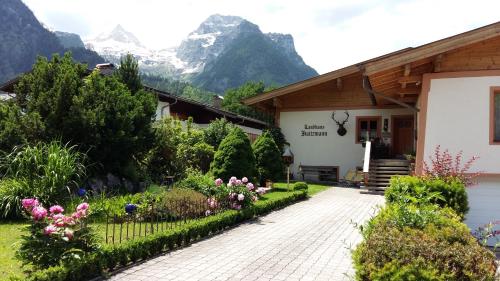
point(314, 130)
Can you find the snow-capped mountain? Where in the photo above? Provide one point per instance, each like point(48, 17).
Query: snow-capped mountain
point(202, 49)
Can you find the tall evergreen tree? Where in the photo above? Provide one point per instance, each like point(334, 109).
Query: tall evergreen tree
point(128, 73)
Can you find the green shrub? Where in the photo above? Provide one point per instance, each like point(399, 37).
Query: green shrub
point(452, 193)
point(417, 270)
point(268, 159)
point(216, 131)
point(184, 202)
point(11, 193)
point(451, 250)
point(234, 157)
point(110, 257)
point(198, 181)
point(49, 172)
point(300, 185)
point(278, 137)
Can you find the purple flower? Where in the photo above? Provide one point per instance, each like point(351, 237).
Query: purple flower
point(49, 229)
point(39, 212)
point(130, 208)
point(219, 182)
point(81, 192)
point(56, 209)
point(238, 182)
point(29, 203)
point(250, 186)
point(241, 197)
point(244, 180)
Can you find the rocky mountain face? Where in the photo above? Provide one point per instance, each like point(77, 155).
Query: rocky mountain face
point(220, 54)
point(69, 40)
point(23, 38)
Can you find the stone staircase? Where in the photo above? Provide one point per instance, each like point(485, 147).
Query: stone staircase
point(381, 171)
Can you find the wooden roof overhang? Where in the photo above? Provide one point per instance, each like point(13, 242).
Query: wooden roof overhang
point(391, 80)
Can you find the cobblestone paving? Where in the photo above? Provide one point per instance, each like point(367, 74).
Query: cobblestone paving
point(309, 240)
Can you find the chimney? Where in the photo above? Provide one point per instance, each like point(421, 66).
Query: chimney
point(217, 101)
point(105, 68)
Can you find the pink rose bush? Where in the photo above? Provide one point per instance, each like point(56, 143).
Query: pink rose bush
point(236, 194)
point(55, 236)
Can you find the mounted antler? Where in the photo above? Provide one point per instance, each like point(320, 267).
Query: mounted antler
point(341, 131)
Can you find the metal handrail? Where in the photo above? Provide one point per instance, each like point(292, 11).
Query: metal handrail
point(366, 163)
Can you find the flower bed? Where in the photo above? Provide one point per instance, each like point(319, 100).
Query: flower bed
point(112, 257)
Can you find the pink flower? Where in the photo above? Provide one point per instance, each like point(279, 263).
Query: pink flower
point(68, 233)
point(212, 203)
point(219, 182)
point(241, 197)
point(261, 190)
point(250, 186)
point(237, 206)
point(49, 229)
point(29, 203)
point(238, 182)
point(58, 220)
point(79, 214)
point(39, 212)
point(244, 180)
point(69, 221)
point(82, 207)
point(233, 180)
point(56, 209)
point(231, 195)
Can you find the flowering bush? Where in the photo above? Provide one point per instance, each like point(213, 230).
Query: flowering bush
point(55, 237)
point(449, 168)
point(238, 193)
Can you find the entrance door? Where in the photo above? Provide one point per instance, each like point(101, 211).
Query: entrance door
point(403, 135)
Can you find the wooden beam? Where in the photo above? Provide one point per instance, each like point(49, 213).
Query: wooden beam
point(368, 88)
point(339, 84)
point(437, 62)
point(415, 79)
point(277, 103)
point(407, 69)
point(386, 97)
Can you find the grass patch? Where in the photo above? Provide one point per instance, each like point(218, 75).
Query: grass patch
point(10, 233)
point(313, 188)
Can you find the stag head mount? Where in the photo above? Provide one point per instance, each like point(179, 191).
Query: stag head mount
point(341, 130)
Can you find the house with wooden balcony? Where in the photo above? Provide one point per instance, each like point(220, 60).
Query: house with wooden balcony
point(371, 115)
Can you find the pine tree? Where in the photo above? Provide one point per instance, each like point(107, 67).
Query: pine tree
point(128, 73)
point(267, 158)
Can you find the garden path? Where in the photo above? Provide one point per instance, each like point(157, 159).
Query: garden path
point(310, 240)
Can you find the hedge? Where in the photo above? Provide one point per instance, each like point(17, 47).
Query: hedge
point(110, 258)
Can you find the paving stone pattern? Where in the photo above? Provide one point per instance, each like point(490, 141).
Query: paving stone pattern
point(310, 240)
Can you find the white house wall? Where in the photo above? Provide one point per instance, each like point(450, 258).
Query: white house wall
point(458, 119)
point(332, 149)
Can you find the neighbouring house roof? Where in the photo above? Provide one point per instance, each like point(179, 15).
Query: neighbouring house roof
point(389, 61)
point(203, 113)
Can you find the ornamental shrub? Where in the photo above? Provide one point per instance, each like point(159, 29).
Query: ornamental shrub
point(236, 194)
point(54, 237)
point(300, 185)
point(234, 157)
point(450, 193)
point(216, 131)
point(449, 252)
point(184, 202)
point(49, 172)
point(268, 159)
point(198, 181)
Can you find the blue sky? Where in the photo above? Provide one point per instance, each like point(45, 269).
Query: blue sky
point(328, 34)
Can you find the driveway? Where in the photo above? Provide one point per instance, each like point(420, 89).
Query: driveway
point(310, 240)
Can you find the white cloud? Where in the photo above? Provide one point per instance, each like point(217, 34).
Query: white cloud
point(328, 34)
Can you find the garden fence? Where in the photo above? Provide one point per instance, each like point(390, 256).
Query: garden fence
point(157, 218)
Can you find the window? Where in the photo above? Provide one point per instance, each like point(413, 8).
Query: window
point(368, 127)
point(495, 116)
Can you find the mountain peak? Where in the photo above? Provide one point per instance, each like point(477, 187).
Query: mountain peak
point(119, 34)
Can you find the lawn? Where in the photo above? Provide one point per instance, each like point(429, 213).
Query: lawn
point(10, 233)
